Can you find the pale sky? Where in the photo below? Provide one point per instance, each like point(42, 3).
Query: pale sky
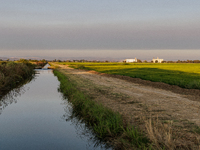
point(106, 28)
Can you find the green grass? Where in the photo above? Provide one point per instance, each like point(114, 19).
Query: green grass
point(196, 129)
point(104, 122)
point(183, 75)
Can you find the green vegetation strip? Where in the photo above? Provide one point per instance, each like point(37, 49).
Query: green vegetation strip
point(182, 75)
point(105, 122)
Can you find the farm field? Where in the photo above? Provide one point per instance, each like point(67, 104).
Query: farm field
point(182, 75)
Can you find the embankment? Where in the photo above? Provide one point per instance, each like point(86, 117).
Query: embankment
point(108, 125)
point(14, 74)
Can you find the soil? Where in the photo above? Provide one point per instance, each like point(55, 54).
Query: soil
point(140, 100)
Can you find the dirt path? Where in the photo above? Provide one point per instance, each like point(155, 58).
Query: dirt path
point(137, 103)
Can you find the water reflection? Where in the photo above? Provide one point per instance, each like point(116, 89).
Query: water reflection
point(46, 67)
point(83, 130)
point(42, 119)
point(11, 96)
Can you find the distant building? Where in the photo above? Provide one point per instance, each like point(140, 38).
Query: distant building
point(157, 60)
point(130, 60)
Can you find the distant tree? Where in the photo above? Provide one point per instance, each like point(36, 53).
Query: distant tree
point(170, 62)
point(82, 60)
point(196, 61)
point(23, 61)
point(44, 61)
point(189, 61)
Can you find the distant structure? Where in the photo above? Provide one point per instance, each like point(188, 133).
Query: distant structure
point(157, 60)
point(130, 60)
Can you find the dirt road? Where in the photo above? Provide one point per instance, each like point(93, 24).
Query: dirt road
point(176, 115)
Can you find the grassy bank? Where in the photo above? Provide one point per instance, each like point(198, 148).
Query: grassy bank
point(13, 74)
point(183, 75)
point(105, 123)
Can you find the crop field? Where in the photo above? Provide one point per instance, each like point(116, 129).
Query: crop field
point(184, 75)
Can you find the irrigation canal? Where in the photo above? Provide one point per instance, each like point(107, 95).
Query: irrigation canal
point(37, 117)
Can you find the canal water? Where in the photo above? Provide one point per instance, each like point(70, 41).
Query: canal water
point(36, 117)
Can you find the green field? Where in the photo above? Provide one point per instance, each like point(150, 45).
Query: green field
point(184, 75)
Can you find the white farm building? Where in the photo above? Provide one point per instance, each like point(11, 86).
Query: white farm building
point(130, 60)
point(157, 60)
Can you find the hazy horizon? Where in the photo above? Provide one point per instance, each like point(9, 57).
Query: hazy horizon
point(110, 54)
point(118, 29)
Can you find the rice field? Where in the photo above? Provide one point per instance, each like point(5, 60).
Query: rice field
point(185, 75)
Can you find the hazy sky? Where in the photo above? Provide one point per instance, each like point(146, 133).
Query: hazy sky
point(101, 28)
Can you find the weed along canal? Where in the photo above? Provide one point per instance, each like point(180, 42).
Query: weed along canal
point(37, 117)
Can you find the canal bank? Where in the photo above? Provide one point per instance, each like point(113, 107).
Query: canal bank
point(109, 126)
point(13, 75)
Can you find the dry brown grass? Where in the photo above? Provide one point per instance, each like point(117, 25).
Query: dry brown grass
point(160, 134)
point(166, 136)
